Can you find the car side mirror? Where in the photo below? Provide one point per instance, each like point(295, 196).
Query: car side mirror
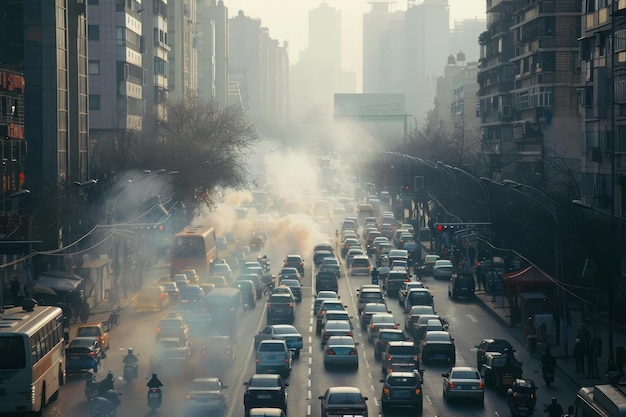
point(356, 343)
point(286, 384)
point(365, 398)
point(381, 380)
point(245, 384)
point(224, 386)
point(445, 375)
point(321, 397)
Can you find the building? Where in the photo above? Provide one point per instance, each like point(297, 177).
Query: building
point(116, 70)
point(182, 21)
point(155, 58)
point(213, 51)
point(464, 37)
point(602, 67)
point(45, 76)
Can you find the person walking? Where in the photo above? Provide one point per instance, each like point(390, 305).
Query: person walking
point(579, 356)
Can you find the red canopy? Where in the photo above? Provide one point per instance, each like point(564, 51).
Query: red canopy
point(527, 276)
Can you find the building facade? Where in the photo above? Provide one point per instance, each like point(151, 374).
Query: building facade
point(213, 61)
point(155, 58)
point(182, 21)
point(245, 61)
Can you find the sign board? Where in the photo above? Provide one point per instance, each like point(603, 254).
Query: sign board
point(370, 105)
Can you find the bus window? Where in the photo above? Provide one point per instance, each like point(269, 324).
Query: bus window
point(13, 353)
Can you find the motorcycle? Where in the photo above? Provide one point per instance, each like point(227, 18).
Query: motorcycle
point(154, 398)
point(548, 375)
point(268, 284)
point(91, 386)
point(104, 404)
point(522, 398)
point(265, 264)
point(130, 372)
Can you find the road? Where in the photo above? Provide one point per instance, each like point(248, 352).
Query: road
point(469, 323)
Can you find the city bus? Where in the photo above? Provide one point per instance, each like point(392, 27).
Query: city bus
point(601, 401)
point(193, 248)
point(32, 360)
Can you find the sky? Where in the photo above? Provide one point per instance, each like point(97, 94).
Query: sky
point(287, 20)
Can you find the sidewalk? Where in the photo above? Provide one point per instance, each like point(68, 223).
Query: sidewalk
point(498, 307)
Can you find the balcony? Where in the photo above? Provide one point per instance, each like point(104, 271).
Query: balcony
point(498, 5)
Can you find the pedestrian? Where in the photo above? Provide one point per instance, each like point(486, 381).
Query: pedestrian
point(579, 356)
point(471, 254)
point(530, 333)
point(375, 276)
point(15, 291)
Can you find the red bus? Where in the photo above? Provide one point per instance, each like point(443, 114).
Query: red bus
point(193, 248)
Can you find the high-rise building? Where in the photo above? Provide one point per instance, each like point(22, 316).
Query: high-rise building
point(464, 37)
point(116, 72)
point(43, 50)
point(182, 23)
point(213, 60)
point(155, 58)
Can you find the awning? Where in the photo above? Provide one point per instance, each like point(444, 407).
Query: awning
point(59, 281)
point(528, 276)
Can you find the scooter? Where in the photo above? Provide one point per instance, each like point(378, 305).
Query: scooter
point(104, 405)
point(130, 372)
point(154, 398)
point(91, 386)
point(548, 375)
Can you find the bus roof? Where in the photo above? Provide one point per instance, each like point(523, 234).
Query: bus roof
point(195, 231)
point(18, 320)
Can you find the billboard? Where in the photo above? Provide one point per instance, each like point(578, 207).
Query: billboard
point(364, 106)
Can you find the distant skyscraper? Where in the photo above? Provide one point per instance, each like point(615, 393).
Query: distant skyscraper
point(324, 43)
point(212, 48)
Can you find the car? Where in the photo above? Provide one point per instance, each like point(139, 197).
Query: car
point(394, 282)
point(326, 281)
point(335, 328)
point(265, 390)
point(217, 349)
point(289, 273)
point(280, 308)
point(266, 412)
point(295, 287)
point(248, 292)
point(295, 261)
point(222, 270)
point(414, 314)
point(181, 280)
point(98, 330)
point(461, 285)
point(320, 255)
point(369, 295)
point(420, 327)
point(324, 246)
point(221, 243)
point(405, 289)
point(171, 361)
point(380, 321)
point(173, 325)
point(341, 350)
point(400, 356)
point(283, 289)
point(327, 305)
point(172, 290)
point(491, 345)
point(418, 297)
point(427, 267)
point(463, 382)
point(256, 280)
point(384, 337)
point(285, 332)
point(273, 356)
point(396, 236)
point(443, 269)
point(191, 294)
point(206, 395)
point(368, 310)
point(337, 315)
point(83, 353)
point(386, 229)
point(343, 401)
point(152, 298)
point(321, 297)
point(352, 253)
point(438, 345)
point(500, 370)
point(192, 275)
point(218, 281)
point(360, 265)
point(348, 244)
point(331, 265)
point(206, 288)
point(402, 389)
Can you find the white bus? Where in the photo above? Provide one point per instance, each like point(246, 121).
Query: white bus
point(32, 358)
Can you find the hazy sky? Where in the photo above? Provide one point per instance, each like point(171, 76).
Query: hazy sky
point(287, 20)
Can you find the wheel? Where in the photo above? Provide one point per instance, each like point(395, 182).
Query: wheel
point(297, 354)
point(356, 366)
point(43, 400)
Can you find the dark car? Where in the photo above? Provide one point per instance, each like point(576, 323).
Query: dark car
point(295, 261)
point(191, 294)
point(289, 273)
point(384, 337)
point(280, 309)
point(461, 285)
point(368, 310)
point(256, 280)
point(500, 370)
point(248, 293)
point(83, 353)
point(320, 255)
point(343, 401)
point(394, 282)
point(402, 389)
point(400, 356)
point(265, 390)
point(326, 281)
point(438, 346)
point(326, 306)
point(491, 345)
point(295, 287)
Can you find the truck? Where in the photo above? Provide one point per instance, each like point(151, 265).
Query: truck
point(601, 401)
point(501, 370)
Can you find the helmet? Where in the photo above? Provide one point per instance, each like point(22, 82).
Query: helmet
point(154, 375)
point(130, 351)
point(553, 400)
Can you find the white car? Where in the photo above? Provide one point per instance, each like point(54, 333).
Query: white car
point(443, 269)
point(206, 395)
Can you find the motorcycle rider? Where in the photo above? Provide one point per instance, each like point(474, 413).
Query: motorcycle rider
point(132, 360)
point(107, 384)
point(554, 409)
point(155, 383)
point(375, 275)
point(548, 363)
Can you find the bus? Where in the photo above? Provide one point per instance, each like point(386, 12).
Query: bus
point(601, 401)
point(32, 358)
point(193, 248)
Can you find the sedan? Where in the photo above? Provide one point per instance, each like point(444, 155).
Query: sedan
point(295, 261)
point(285, 332)
point(205, 396)
point(443, 269)
point(341, 350)
point(463, 382)
point(83, 353)
point(438, 345)
point(349, 244)
point(321, 297)
point(402, 389)
point(369, 310)
point(295, 287)
point(380, 321)
point(289, 273)
point(172, 361)
point(343, 401)
point(331, 265)
point(427, 267)
point(335, 328)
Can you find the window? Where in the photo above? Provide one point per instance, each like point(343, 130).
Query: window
point(94, 102)
point(93, 32)
point(93, 2)
point(94, 67)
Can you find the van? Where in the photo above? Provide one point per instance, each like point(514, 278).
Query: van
point(360, 265)
point(461, 285)
point(365, 210)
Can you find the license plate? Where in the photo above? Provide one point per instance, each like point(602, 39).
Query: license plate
point(522, 408)
point(401, 394)
point(264, 396)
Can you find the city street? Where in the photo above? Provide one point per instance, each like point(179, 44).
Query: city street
point(469, 323)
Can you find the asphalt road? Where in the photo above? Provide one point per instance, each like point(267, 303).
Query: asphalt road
point(469, 323)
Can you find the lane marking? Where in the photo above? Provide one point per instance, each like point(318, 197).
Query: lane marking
point(308, 382)
point(472, 318)
point(369, 374)
point(308, 410)
point(308, 393)
point(309, 372)
point(310, 340)
point(310, 360)
point(376, 401)
point(310, 350)
point(430, 401)
point(310, 329)
point(372, 387)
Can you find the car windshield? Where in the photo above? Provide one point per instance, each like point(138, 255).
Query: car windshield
point(371, 295)
point(402, 350)
point(340, 315)
point(417, 310)
point(465, 375)
point(290, 282)
point(88, 343)
point(206, 385)
point(170, 287)
point(332, 306)
point(396, 381)
point(345, 398)
point(391, 336)
point(288, 271)
point(285, 330)
point(263, 382)
point(271, 347)
point(330, 262)
point(431, 258)
point(171, 323)
point(376, 309)
point(337, 325)
point(379, 319)
point(437, 337)
point(361, 262)
point(443, 264)
point(340, 341)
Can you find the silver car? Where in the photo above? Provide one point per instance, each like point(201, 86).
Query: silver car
point(463, 382)
point(443, 269)
point(341, 350)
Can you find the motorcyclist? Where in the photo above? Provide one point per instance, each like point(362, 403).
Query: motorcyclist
point(375, 275)
point(154, 382)
point(548, 363)
point(268, 281)
point(132, 360)
point(107, 384)
point(554, 409)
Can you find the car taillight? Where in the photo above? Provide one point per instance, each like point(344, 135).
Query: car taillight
point(268, 305)
point(345, 246)
point(407, 280)
point(330, 352)
point(480, 385)
point(386, 391)
point(189, 397)
point(389, 357)
point(290, 304)
point(322, 312)
point(92, 354)
point(326, 335)
point(302, 264)
point(160, 295)
point(372, 327)
point(286, 360)
point(395, 326)
point(415, 358)
point(417, 391)
point(158, 329)
point(451, 384)
point(353, 352)
point(257, 361)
